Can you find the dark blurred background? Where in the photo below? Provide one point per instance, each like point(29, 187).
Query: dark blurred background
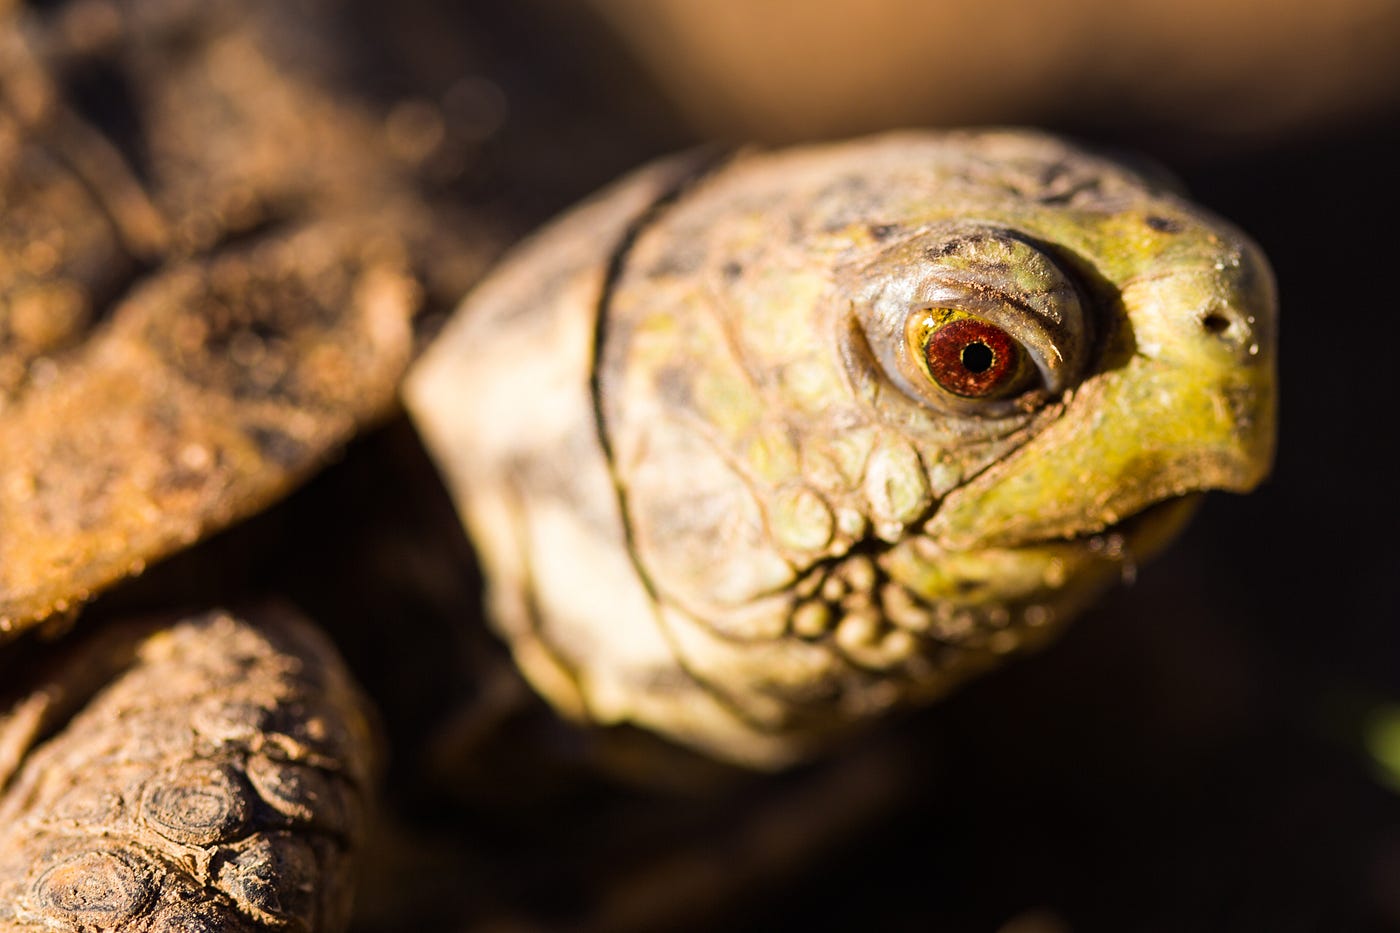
point(1216, 747)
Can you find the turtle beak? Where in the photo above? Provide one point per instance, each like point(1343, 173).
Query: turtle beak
point(1190, 406)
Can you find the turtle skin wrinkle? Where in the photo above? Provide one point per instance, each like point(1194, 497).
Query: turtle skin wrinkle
point(755, 451)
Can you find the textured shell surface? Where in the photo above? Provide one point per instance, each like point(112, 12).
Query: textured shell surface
point(736, 477)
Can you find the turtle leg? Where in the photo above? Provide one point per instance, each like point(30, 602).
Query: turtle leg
point(213, 775)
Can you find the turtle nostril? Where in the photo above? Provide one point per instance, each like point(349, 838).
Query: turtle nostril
point(1215, 323)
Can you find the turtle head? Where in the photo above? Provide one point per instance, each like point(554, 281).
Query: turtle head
point(875, 415)
point(881, 414)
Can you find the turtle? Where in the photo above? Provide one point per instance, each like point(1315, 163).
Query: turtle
point(755, 447)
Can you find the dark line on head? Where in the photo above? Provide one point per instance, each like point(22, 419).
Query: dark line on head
point(702, 164)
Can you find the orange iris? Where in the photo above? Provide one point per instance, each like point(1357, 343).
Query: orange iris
point(972, 358)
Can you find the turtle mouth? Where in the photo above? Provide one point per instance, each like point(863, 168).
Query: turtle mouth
point(1087, 562)
point(1140, 536)
point(1035, 578)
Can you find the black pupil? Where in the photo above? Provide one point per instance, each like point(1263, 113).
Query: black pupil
point(976, 357)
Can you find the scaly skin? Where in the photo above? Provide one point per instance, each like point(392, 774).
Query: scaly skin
point(191, 321)
point(718, 497)
point(218, 780)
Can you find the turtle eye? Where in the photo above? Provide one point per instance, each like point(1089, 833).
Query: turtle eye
point(971, 320)
point(967, 356)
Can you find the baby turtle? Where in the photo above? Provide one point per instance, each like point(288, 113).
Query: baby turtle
point(754, 449)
